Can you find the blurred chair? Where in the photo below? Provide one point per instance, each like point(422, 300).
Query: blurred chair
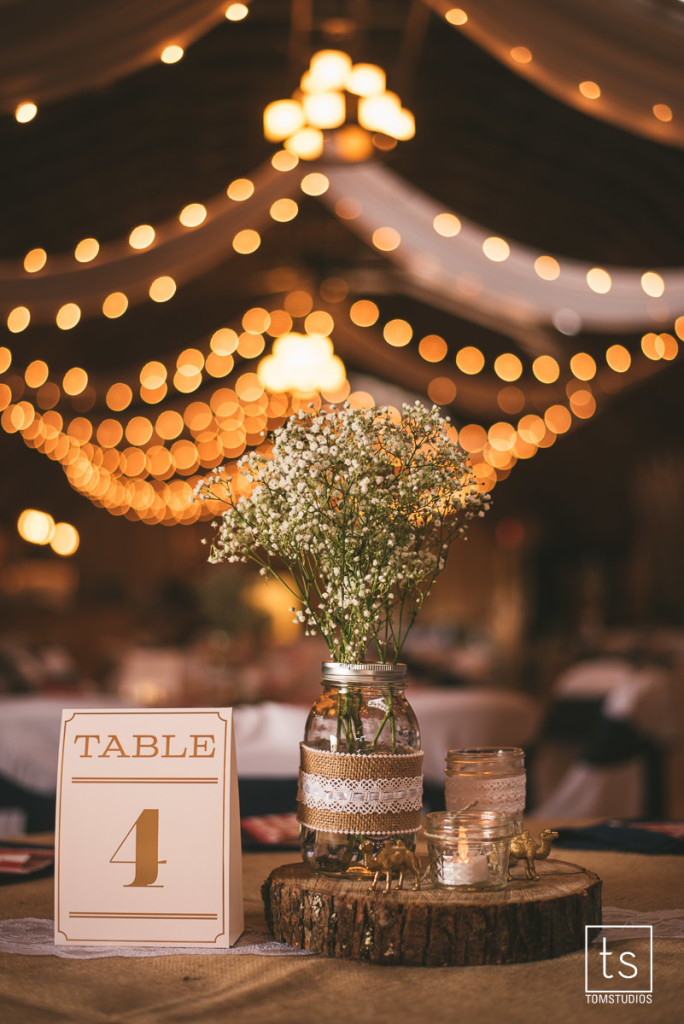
point(604, 745)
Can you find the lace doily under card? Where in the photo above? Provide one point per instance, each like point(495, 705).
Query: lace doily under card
point(371, 794)
point(499, 794)
point(32, 936)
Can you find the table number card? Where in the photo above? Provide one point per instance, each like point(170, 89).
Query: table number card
point(147, 847)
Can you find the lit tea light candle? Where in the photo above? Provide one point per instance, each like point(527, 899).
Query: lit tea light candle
point(469, 851)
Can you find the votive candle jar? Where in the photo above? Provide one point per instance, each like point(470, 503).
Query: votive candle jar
point(490, 778)
point(469, 852)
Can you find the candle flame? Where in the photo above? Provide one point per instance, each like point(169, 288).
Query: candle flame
point(462, 845)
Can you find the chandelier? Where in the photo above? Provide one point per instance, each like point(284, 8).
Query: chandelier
point(340, 108)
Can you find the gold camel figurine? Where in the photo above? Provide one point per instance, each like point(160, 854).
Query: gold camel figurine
point(393, 859)
point(525, 847)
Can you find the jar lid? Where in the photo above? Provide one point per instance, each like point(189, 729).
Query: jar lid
point(480, 755)
point(363, 672)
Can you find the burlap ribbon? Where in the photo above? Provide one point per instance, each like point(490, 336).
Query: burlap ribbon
point(369, 794)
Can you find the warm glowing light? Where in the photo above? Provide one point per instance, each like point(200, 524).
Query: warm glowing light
point(86, 250)
point(324, 109)
point(446, 224)
point(298, 303)
point(236, 12)
point(247, 241)
point(5, 359)
point(314, 184)
point(432, 348)
point(652, 284)
point(35, 260)
point(162, 289)
point(599, 280)
point(256, 320)
point(469, 360)
point(510, 400)
point(303, 363)
point(329, 69)
point(472, 437)
point(662, 112)
point(192, 215)
point(138, 430)
point(119, 397)
point(501, 436)
point(618, 358)
point(250, 345)
point(386, 239)
point(397, 333)
point(319, 322)
point(283, 210)
point(171, 54)
point(153, 375)
point(25, 112)
point(75, 381)
point(567, 321)
point(169, 424)
point(590, 90)
point(496, 249)
point(456, 16)
point(558, 419)
point(115, 305)
point(352, 144)
point(68, 316)
point(284, 161)
point(583, 404)
point(546, 369)
point(224, 341)
point(240, 190)
point(141, 237)
point(583, 366)
point(531, 429)
point(667, 346)
point(547, 268)
point(65, 540)
point(18, 319)
point(190, 361)
point(361, 400)
point(441, 390)
point(679, 327)
point(521, 54)
point(348, 208)
point(282, 118)
point(384, 113)
point(36, 373)
point(364, 313)
point(36, 527)
point(249, 388)
point(365, 80)
point(307, 143)
point(507, 366)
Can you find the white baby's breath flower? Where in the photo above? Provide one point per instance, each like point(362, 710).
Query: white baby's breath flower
point(360, 508)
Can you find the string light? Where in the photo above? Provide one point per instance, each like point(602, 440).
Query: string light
point(25, 112)
point(171, 54)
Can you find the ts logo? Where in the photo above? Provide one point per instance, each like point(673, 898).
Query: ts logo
point(619, 971)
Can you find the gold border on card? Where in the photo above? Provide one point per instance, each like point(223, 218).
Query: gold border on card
point(83, 915)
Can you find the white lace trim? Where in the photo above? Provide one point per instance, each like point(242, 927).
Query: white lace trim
point(360, 796)
point(500, 794)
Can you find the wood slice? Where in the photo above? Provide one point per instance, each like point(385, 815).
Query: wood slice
point(434, 927)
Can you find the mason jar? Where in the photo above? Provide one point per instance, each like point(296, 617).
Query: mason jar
point(489, 779)
point(361, 769)
point(469, 852)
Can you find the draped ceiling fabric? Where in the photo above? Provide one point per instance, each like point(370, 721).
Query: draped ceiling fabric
point(450, 273)
point(632, 49)
point(454, 274)
point(52, 49)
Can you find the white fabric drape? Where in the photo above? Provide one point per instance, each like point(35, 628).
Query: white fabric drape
point(50, 50)
point(632, 49)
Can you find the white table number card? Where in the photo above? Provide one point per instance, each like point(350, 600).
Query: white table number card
point(147, 846)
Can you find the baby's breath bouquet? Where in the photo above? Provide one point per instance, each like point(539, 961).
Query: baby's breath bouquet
point(354, 511)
